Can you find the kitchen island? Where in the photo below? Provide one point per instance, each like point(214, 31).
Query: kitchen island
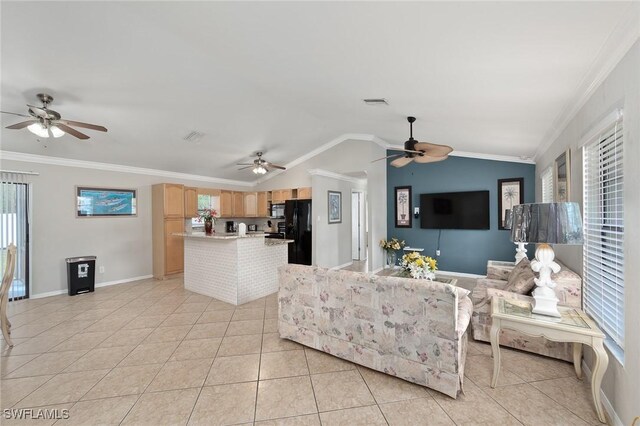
point(234, 269)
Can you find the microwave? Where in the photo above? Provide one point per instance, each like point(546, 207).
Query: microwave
point(277, 210)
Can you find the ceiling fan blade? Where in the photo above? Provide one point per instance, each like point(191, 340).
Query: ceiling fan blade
point(404, 150)
point(433, 149)
point(22, 125)
point(244, 164)
point(15, 113)
point(429, 159)
point(275, 166)
point(71, 131)
point(39, 111)
point(401, 162)
point(84, 125)
point(388, 156)
point(247, 167)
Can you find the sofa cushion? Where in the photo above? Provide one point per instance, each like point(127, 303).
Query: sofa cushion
point(521, 278)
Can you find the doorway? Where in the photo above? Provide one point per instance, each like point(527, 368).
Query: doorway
point(358, 226)
point(14, 229)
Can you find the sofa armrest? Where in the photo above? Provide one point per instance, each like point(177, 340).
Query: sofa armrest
point(465, 310)
point(499, 270)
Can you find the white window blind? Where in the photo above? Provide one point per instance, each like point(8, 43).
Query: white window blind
point(547, 185)
point(604, 231)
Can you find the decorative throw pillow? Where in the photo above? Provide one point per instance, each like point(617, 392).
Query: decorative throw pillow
point(521, 278)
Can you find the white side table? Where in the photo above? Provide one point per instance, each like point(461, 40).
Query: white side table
point(574, 326)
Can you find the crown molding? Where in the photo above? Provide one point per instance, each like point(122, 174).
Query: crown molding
point(481, 156)
point(621, 39)
point(342, 138)
point(334, 175)
point(68, 162)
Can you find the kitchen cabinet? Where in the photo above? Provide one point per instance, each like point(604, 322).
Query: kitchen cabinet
point(167, 218)
point(250, 204)
point(238, 204)
point(190, 202)
point(173, 205)
point(279, 196)
point(263, 205)
point(226, 203)
point(304, 193)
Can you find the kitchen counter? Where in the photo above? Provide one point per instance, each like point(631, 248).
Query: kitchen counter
point(232, 268)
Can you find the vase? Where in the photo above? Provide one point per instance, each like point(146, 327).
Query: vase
point(208, 227)
point(391, 258)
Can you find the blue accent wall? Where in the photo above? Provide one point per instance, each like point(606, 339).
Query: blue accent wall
point(460, 250)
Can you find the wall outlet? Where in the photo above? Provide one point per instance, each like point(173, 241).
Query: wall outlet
point(101, 269)
point(437, 252)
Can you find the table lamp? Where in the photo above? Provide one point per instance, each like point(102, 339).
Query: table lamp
point(521, 249)
point(546, 223)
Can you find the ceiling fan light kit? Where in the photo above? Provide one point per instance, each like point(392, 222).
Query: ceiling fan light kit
point(45, 122)
point(421, 152)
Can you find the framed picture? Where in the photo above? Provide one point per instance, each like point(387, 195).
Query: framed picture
point(403, 206)
point(105, 202)
point(510, 193)
point(562, 177)
point(335, 206)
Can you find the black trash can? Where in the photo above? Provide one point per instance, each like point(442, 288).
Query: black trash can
point(81, 274)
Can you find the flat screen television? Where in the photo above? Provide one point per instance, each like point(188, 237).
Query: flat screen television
point(455, 210)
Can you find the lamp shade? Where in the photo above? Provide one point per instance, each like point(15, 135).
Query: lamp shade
point(552, 223)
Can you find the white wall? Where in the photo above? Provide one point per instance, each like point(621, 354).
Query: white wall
point(621, 89)
point(122, 245)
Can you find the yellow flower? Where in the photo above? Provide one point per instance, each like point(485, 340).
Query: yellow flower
point(432, 263)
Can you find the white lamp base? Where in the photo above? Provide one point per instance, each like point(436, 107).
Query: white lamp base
point(545, 300)
point(521, 252)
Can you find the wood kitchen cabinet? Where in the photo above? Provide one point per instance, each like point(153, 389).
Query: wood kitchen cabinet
point(279, 196)
point(263, 205)
point(226, 203)
point(250, 204)
point(238, 204)
point(304, 193)
point(190, 202)
point(167, 217)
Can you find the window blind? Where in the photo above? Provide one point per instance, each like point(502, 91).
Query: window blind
point(547, 185)
point(603, 258)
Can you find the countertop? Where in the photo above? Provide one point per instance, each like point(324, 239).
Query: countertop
point(233, 236)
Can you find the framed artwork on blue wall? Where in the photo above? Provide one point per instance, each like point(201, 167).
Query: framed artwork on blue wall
point(510, 193)
point(403, 206)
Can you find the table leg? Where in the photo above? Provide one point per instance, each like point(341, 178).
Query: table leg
point(577, 359)
point(602, 360)
point(495, 351)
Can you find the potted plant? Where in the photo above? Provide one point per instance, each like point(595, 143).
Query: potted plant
point(208, 216)
point(391, 246)
point(419, 266)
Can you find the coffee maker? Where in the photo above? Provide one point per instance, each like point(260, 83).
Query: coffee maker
point(230, 226)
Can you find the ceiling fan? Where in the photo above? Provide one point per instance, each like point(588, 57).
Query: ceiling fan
point(260, 165)
point(420, 152)
point(45, 122)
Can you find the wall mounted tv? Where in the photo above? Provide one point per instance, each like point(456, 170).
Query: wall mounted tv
point(455, 210)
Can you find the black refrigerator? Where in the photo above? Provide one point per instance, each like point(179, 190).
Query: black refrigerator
point(297, 216)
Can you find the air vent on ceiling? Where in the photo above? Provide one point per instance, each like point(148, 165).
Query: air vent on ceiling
point(194, 136)
point(376, 101)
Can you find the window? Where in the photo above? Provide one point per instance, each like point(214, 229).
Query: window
point(206, 201)
point(547, 185)
point(603, 258)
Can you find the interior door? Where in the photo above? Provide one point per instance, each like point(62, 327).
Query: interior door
point(355, 226)
point(14, 229)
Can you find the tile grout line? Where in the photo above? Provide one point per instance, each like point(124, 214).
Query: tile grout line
point(313, 389)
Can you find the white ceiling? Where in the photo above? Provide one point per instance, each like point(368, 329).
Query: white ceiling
point(287, 78)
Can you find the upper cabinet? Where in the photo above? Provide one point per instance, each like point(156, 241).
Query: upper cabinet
point(250, 204)
point(263, 205)
point(190, 202)
point(238, 204)
point(226, 203)
point(173, 200)
point(279, 196)
point(304, 193)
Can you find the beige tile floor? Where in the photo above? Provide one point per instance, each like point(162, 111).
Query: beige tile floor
point(150, 352)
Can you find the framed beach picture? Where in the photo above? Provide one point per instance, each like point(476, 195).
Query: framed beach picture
point(105, 202)
point(510, 193)
point(335, 206)
point(562, 176)
point(403, 206)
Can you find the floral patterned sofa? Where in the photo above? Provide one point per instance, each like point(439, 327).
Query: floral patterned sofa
point(568, 290)
point(412, 329)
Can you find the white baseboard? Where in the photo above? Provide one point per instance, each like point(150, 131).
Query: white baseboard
point(103, 284)
point(613, 416)
point(461, 274)
point(344, 265)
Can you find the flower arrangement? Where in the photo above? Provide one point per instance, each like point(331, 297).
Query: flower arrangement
point(392, 244)
point(207, 215)
point(419, 266)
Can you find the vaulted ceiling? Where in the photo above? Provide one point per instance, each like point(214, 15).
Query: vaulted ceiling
point(286, 78)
